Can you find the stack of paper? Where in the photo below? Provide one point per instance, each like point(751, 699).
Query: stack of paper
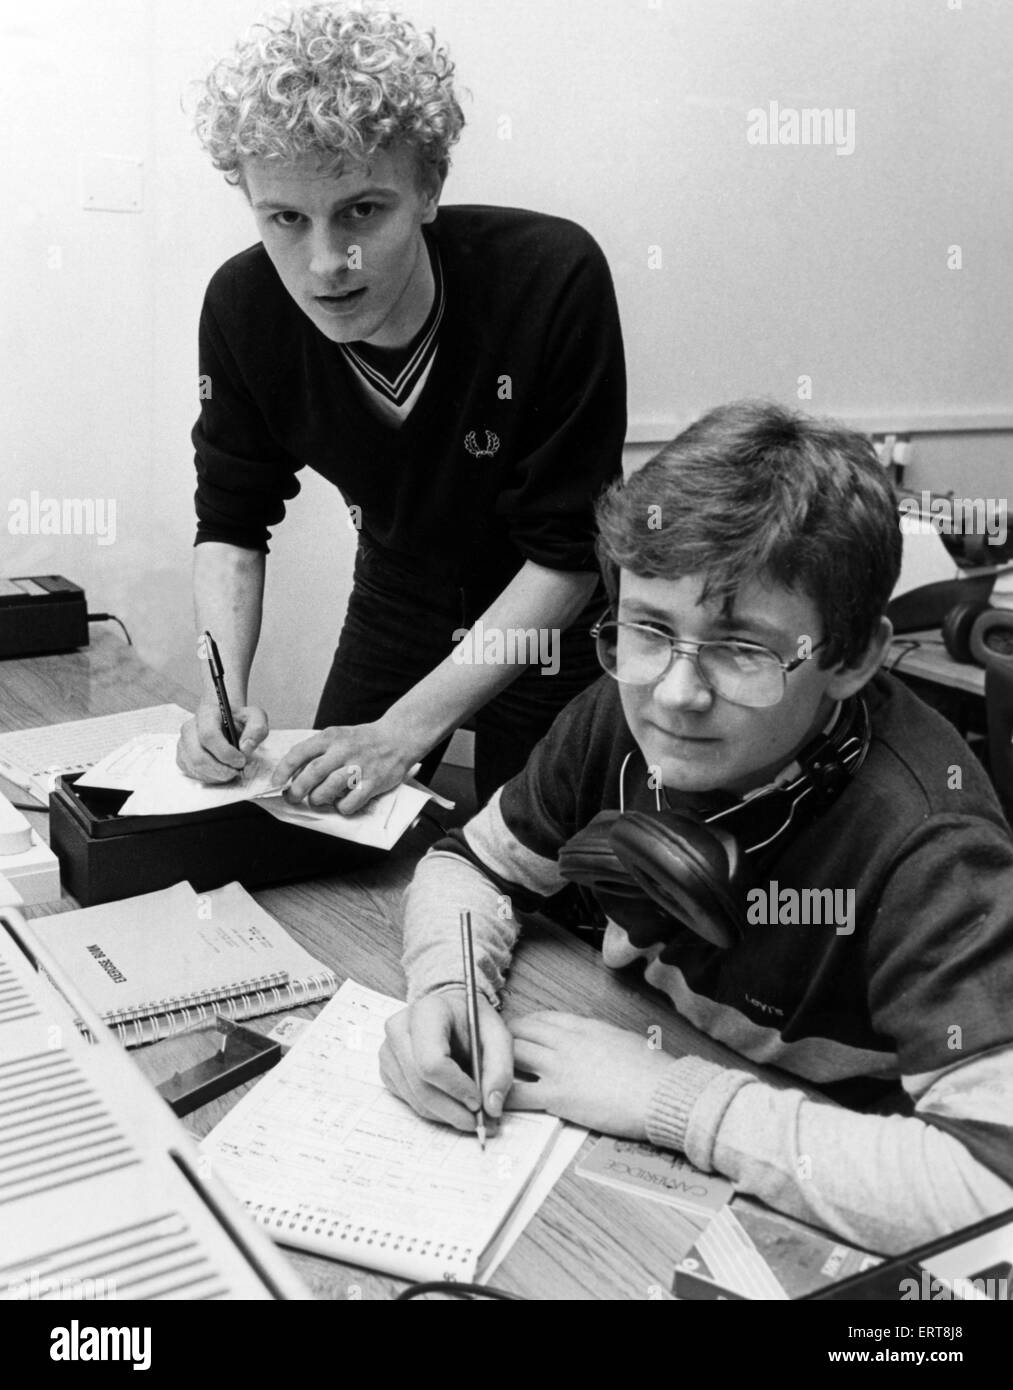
point(146, 767)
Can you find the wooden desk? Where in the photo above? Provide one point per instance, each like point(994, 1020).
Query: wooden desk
point(106, 678)
point(930, 661)
point(586, 1241)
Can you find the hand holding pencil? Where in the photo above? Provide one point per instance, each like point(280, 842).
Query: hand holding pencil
point(426, 1059)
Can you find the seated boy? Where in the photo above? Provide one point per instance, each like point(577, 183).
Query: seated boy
point(775, 537)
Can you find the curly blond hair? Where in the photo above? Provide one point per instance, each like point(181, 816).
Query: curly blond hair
point(335, 83)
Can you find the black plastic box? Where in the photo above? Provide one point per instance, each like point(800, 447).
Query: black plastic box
point(104, 856)
point(55, 620)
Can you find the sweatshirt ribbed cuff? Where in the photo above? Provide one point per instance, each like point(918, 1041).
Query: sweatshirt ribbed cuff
point(688, 1107)
point(674, 1097)
point(482, 986)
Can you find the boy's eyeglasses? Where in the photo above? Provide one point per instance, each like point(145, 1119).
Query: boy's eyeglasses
point(743, 673)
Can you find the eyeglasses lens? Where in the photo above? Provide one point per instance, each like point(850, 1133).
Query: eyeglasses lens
point(638, 656)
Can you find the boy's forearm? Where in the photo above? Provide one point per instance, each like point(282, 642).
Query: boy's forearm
point(443, 885)
point(228, 584)
point(883, 1183)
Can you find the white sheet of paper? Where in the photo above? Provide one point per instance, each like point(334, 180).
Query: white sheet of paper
point(924, 558)
point(565, 1149)
point(381, 823)
point(125, 769)
point(161, 789)
point(146, 767)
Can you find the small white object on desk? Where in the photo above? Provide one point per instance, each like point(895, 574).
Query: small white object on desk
point(26, 861)
point(15, 832)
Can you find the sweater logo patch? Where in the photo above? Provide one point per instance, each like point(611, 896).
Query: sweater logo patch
point(764, 1008)
point(491, 444)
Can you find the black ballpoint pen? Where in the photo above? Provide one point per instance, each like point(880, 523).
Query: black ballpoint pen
point(474, 1038)
point(208, 648)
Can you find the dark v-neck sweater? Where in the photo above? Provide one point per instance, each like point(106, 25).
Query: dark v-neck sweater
point(517, 429)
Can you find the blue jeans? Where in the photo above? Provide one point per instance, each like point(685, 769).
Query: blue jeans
point(399, 626)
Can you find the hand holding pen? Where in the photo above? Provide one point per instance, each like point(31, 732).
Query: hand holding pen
point(215, 745)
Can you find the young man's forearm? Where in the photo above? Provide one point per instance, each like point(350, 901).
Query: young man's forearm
point(228, 584)
point(536, 598)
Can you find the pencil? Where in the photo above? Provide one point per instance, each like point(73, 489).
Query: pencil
point(474, 1039)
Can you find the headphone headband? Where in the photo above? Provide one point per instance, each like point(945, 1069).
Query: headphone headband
point(826, 765)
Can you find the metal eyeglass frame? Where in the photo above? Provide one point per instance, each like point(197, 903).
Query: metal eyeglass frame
point(677, 647)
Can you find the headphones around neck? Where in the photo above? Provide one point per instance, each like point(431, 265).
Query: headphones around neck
point(645, 870)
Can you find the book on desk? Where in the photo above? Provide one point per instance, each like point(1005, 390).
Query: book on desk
point(162, 963)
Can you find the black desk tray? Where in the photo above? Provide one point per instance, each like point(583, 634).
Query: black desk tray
point(104, 856)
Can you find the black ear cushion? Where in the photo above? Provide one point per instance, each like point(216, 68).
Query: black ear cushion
point(928, 605)
point(957, 626)
point(992, 636)
point(589, 859)
point(683, 869)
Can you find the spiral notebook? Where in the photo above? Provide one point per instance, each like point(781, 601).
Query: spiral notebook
point(328, 1160)
point(161, 962)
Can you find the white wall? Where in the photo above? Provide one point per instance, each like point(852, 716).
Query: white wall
point(744, 266)
point(199, 222)
point(99, 357)
point(78, 366)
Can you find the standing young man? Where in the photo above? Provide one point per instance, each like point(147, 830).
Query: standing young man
point(457, 373)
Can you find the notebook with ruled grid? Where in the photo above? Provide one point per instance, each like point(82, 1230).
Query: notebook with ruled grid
point(327, 1160)
point(102, 1194)
point(162, 962)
